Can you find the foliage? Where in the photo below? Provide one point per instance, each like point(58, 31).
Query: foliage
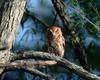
point(87, 22)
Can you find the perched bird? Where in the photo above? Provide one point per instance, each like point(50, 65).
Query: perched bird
point(55, 41)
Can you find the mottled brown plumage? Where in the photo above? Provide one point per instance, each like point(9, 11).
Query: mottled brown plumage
point(55, 41)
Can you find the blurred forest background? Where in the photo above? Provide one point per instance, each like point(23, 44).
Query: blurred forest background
point(85, 19)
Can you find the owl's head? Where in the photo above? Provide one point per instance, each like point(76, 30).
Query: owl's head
point(54, 30)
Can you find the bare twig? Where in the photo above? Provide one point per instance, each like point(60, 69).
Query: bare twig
point(60, 61)
point(54, 19)
point(84, 17)
point(95, 9)
point(34, 17)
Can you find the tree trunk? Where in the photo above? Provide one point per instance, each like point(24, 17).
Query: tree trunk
point(11, 12)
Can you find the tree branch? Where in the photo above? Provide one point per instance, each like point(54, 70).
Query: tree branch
point(25, 64)
point(34, 17)
point(28, 70)
point(60, 61)
point(60, 9)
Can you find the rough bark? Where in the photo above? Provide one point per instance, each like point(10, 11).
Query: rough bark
point(60, 61)
point(11, 12)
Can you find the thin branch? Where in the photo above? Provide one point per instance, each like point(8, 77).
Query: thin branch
point(84, 17)
point(95, 9)
point(29, 70)
point(55, 17)
point(60, 61)
point(34, 17)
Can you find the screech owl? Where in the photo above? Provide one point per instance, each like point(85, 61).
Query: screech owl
point(55, 41)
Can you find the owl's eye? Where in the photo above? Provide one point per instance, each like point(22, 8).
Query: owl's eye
point(50, 33)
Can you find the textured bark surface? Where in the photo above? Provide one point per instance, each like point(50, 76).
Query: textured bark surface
point(11, 12)
point(64, 63)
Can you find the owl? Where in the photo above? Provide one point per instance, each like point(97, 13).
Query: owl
point(55, 41)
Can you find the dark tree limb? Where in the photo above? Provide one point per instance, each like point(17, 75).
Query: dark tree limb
point(54, 20)
point(60, 61)
point(32, 71)
point(60, 9)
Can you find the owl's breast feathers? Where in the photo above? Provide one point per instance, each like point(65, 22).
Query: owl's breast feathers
point(55, 41)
